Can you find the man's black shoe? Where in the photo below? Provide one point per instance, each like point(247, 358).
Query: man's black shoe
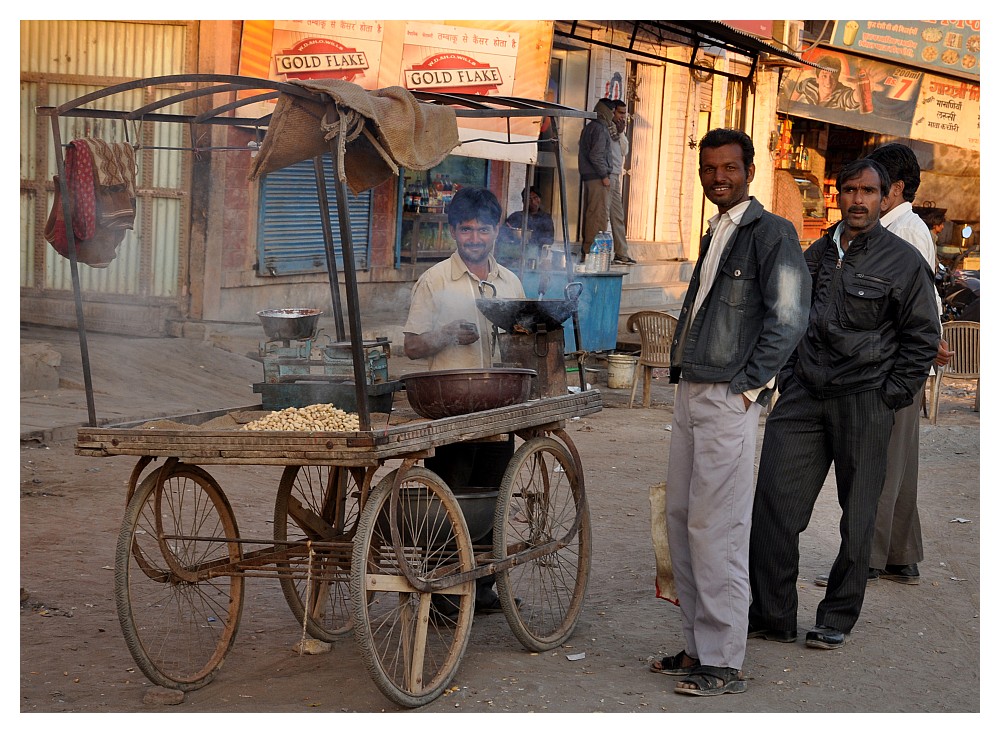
point(785, 637)
point(823, 580)
point(905, 574)
point(825, 637)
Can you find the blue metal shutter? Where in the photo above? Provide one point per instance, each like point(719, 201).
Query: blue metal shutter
point(290, 231)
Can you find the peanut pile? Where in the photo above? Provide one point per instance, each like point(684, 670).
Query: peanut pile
point(325, 418)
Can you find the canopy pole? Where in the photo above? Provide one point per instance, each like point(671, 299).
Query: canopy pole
point(581, 354)
point(331, 255)
point(74, 272)
point(337, 147)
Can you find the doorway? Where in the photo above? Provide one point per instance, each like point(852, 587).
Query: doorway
point(645, 109)
point(568, 78)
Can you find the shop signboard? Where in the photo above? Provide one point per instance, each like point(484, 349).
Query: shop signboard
point(884, 97)
point(946, 46)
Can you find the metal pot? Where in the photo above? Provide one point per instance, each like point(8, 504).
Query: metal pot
point(289, 324)
point(460, 391)
point(426, 515)
point(506, 313)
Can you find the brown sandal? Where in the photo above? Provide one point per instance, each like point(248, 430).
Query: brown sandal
point(675, 665)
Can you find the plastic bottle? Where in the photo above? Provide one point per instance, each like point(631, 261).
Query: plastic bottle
point(606, 247)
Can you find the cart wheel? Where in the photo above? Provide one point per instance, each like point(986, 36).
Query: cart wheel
point(178, 631)
point(540, 497)
point(318, 503)
point(411, 645)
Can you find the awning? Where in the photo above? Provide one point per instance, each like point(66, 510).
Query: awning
point(646, 37)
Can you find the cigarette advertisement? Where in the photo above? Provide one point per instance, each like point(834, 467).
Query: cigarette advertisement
point(884, 97)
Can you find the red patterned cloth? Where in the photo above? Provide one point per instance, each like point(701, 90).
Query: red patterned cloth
point(80, 177)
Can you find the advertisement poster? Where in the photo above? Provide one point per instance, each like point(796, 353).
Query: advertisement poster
point(853, 91)
point(947, 46)
point(865, 94)
point(327, 49)
point(468, 60)
point(284, 50)
point(444, 58)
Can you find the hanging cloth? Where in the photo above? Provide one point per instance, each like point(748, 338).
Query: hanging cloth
point(101, 181)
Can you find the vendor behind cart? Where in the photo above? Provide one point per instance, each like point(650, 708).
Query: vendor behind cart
point(445, 327)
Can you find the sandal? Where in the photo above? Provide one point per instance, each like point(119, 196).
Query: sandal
point(710, 681)
point(675, 665)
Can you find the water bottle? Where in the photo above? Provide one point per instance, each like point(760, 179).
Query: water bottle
point(606, 247)
point(592, 257)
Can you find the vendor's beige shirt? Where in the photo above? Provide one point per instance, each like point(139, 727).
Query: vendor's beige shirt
point(447, 292)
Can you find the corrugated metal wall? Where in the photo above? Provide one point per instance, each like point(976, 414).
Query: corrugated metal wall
point(62, 60)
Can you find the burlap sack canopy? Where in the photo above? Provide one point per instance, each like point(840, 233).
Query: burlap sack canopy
point(378, 132)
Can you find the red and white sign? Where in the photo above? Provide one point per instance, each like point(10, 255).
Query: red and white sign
point(320, 58)
point(444, 58)
point(453, 72)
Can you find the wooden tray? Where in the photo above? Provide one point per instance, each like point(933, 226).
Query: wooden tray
point(404, 433)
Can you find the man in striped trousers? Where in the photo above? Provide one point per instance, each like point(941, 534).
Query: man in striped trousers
point(873, 333)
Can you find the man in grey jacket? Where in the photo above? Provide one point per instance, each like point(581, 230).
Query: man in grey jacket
point(743, 314)
point(594, 159)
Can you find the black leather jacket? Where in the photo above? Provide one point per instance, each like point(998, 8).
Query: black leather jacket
point(873, 323)
point(755, 312)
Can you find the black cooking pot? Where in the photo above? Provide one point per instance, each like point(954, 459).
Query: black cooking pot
point(508, 313)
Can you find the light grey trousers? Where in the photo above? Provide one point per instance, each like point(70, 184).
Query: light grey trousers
point(710, 487)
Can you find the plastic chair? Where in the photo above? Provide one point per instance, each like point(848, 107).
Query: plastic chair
point(963, 339)
point(656, 330)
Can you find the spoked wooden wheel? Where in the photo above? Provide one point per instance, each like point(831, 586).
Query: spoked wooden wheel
point(319, 503)
point(179, 617)
point(412, 642)
point(540, 498)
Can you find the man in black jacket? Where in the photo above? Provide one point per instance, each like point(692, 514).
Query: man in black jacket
point(873, 333)
point(744, 312)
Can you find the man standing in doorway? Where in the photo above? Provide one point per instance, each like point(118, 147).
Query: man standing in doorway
point(616, 211)
point(897, 546)
point(744, 311)
point(594, 159)
point(873, 333)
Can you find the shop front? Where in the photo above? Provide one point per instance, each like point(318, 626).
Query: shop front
point(915, 82)
point(398, 228)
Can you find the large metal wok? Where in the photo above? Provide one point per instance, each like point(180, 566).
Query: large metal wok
point(524, 315)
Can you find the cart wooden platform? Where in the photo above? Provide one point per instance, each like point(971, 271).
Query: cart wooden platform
point(394, 564)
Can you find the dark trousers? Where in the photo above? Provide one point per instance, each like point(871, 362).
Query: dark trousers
point(802, 437)
point(477, 466)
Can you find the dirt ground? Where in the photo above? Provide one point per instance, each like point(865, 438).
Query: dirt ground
point(915, 649)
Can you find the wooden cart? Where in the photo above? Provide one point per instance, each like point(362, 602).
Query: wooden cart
point(392, 563)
